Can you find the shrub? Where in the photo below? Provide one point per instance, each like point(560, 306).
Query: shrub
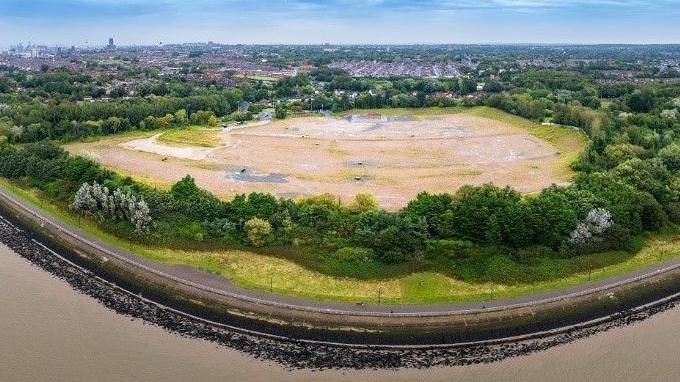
point(190, 232)
point(451, 249)
point(257, 231)
point(354, 254)
point(529, 254)
point(220, 228)
point(363, 203)
point(240, 116)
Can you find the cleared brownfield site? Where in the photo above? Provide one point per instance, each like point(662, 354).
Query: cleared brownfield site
point(393, 157)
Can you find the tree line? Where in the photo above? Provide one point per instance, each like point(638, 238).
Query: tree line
point(638, 196)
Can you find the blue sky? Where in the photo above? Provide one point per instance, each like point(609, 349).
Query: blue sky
point(73, 22)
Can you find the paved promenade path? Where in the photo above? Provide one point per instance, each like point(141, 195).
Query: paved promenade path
point(220, 285)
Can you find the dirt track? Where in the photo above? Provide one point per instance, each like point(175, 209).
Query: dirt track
point(394, 159)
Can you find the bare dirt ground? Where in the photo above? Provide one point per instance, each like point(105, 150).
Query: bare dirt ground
point(393, 158)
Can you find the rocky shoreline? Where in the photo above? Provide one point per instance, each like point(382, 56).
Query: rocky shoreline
point(289, 353)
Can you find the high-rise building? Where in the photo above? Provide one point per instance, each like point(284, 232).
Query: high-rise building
point(111, 46)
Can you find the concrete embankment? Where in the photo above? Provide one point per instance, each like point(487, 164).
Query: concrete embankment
point(203, 295)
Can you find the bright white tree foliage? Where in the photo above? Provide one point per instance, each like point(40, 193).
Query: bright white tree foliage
point(596, 223)
point(671, 114)
point(96, 200)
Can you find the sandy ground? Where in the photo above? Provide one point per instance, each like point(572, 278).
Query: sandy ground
point(392, 159)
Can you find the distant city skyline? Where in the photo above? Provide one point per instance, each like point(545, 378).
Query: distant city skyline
point(138, 22)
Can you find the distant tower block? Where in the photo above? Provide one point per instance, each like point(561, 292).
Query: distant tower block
point(111, 46)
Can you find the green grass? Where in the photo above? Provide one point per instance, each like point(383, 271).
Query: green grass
point(291, 272)
point(200, 136)
point(568, 141)
point(118, 137)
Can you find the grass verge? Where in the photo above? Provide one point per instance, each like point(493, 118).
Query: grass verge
point(195, 136)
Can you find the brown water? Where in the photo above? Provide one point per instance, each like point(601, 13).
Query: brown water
point(48, 332)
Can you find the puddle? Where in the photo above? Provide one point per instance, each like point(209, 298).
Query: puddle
point(245, 174)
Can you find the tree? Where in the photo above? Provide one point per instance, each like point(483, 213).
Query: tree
point(363, 202)
point(188, 201)
point(670, 156)
point(280, 112)
point(200, 117)
point(493, 87)
point(436, 210)
point(473, 207)
point(240, 116)
point(467, 86)
point(96, 200)
point(595, 224)
point(493, 234)
point(648, 175)
point(212, 121)
point(257, 231)
point(618, 153)
point(641, 101)
point(181, 117)
point(631, 208)
point(553, 217)
point(394, 238)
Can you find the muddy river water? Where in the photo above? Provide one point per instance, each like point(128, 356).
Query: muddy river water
point(49, 332)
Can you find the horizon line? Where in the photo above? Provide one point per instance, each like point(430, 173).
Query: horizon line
point(126, 45)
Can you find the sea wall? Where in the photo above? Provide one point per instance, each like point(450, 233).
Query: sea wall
point(558, 314)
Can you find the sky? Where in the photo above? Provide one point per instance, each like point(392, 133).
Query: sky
point(135, 22)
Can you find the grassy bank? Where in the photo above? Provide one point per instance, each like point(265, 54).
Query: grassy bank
point(285, 275)
point(568, 141)
point(200, 136)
